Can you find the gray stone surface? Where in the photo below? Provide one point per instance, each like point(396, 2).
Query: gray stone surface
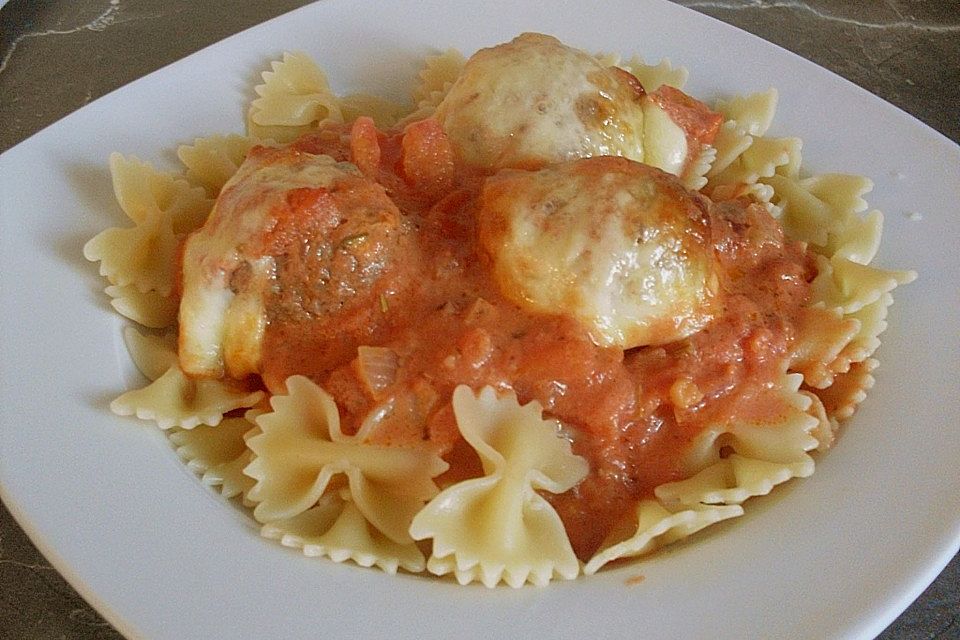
point(57, 56)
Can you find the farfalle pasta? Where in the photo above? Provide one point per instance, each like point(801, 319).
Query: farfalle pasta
point(211, 161)
point(498, 527)
point(148, 308)
point(172, 399)
point(219, 454)
point(337, 529)
point(750, 455)
point(551, 315)
point(301, 453)
point(293, 98)
point(435, 79)
point(142, 256)
point(652, 525)
point(653, 76)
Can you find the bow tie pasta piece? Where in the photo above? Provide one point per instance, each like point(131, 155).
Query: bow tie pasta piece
point(822, 334)
point(746, 118)
point(695, 175)
point(849, 286)
point(731, 141)
point(219, 454)
point(147, 308)
point(752, 113)
point(825, 431)
point(438, 74)
point(162, 208)
point(654, 76)
point(733, 480)
point(836, 337)
point(293, 99)
point(823, 211)
point(142, 192)
point(498, 527)
point(336, 528)
point(213, 160)
point(766, 451)
point(142, 256)
point(175, 400)
point(384, 113)
point(848, 390)
point(872, 319)
point(652, 526)
point(172, 399)
point(742, 155)
point(152, 354)
point(762, 159)
point(301, 450)
point(828, 341)
point(858, 239)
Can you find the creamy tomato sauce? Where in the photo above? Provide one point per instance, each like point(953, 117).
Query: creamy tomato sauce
point(390, 310)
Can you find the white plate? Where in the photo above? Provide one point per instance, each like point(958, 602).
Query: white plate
point(837, 555)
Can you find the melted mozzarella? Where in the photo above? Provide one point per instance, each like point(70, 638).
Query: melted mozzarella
point(534, 101)
point(620, 246)
point(666, 144)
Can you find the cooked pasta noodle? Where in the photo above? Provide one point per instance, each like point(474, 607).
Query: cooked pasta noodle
point(219, 454)
point(498, 527)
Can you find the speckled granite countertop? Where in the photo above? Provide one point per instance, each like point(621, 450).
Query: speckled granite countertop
point(58, 55)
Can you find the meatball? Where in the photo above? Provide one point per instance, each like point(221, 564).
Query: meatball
point(618, 245)
point(295, 243)
point(534, 101)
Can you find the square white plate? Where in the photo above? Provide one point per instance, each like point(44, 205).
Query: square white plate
point(111, 506)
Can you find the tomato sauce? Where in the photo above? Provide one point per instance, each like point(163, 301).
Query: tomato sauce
point(438, 320)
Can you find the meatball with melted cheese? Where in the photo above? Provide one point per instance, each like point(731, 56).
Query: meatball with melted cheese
point(618, 245)
point(294, 243)
point(535, 101)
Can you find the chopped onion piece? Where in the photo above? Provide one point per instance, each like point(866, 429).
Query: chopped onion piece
point(376, 368)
